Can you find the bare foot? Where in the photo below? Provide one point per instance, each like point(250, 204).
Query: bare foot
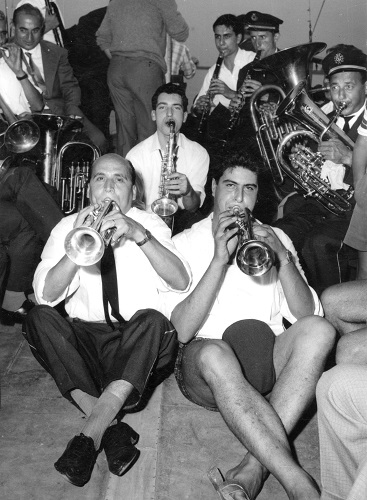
point(250, 474)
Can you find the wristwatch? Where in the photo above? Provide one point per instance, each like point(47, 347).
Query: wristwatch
point(148, 236)
point(288, 259)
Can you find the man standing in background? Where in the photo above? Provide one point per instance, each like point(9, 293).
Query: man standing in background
point(133, 35)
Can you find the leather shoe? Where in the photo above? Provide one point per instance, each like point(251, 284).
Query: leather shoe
point(118, 442)
point(77, 461)
point(9, 318)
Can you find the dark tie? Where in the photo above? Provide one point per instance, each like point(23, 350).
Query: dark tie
point(346, 126)
point(35, 73)
point(109, 286)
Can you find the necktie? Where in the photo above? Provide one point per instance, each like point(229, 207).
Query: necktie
point(35, 73)
point(346, 126)
point(109, 286)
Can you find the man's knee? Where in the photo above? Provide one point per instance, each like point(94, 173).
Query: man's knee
point(214, 356)
point(315, 334)
point(38, 317)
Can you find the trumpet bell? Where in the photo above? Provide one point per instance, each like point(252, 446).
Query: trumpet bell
point(84, 246)
point(164, 207)
point(255, 258)
point(21, 136)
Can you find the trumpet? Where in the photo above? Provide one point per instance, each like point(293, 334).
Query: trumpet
point(166, 206)
point(253, 257)
point(85, 245)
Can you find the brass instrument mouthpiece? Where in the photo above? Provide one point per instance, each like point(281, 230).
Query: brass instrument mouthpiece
point(342, 105)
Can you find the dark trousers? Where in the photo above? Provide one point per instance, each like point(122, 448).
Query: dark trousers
point(28, 215)
point(89, 356)
point(132, 83)
point(317, 235)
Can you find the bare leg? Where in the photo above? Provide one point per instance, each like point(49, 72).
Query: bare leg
point(345, 305)
point(213, 376)
point(352, 348)
point(299, 358)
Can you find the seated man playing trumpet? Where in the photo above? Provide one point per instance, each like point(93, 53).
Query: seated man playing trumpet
point(235, 347)
point(117, 337)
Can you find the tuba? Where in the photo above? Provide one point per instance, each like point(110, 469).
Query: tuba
point(291, 130)
point(166, 206)
point(85, 245)
point(253, 257)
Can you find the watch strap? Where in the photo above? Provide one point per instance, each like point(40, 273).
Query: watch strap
point(148, 236)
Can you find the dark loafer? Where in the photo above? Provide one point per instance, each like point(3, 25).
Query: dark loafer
point(118, 443)
point(9, 318)
point(77, 461)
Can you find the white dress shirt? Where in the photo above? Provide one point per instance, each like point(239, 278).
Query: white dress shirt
point(11, 90)
point(139, 286)
point(192, 160)
point(240, 296)
point(242, 58)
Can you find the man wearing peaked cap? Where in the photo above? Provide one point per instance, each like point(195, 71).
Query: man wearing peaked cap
point(316, 232)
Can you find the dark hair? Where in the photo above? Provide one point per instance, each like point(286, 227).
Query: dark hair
point(170, 88)
point(2, 16)
point(29, 9)
point(229, 21)
point(237, 159)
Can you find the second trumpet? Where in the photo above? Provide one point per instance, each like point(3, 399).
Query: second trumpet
point(253, 257)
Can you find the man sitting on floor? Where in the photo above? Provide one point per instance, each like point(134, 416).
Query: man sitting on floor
point(101, 364)
point(235, 345)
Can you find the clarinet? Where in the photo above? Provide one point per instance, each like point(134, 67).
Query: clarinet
point(58, 32)
point(206, 112)
point(235, 112)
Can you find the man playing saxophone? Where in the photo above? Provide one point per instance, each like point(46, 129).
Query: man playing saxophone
point(169, 104)
point(118, 337)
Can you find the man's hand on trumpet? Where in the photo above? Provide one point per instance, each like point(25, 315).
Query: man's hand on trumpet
point(265, 233)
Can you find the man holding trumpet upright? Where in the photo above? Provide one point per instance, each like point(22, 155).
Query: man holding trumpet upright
point(117, 337)
point(235, 348)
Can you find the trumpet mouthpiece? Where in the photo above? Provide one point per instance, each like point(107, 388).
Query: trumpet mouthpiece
point(236, 211)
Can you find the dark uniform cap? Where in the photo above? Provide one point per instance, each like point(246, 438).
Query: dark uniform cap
point(347, 58)
point(257, 21)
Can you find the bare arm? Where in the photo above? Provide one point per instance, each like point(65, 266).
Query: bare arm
point(167, 265)
point(190, 314)
point(359, 162)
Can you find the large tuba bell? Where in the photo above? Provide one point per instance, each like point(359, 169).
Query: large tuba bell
point(290, 66)
point(21, 135)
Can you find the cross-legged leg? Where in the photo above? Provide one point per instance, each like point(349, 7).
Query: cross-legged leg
point(213, 377)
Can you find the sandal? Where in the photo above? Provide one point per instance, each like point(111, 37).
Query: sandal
point(225, 488)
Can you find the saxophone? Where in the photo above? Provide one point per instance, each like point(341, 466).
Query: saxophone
point(166, 206)
point(205, 114)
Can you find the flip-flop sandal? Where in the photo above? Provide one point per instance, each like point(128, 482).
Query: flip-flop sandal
point(225, 489)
